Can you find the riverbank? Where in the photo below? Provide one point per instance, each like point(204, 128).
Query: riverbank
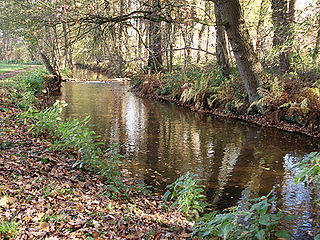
point(297, 111)
point(44, 194)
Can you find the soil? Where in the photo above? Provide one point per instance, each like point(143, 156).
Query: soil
point(14, 73)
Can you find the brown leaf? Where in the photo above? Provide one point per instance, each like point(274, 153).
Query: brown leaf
point(4, 201)
point(184, 235)
point(45, 226)
point(27, 218)
point(38, 217)
point(134, 236)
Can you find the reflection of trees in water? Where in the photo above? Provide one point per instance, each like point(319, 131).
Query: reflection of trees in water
point(297, 200)
point(238, 161)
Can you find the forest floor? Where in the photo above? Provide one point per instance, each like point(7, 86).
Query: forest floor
point(42, 196)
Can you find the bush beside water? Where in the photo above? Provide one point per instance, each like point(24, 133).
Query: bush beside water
point(292, 97)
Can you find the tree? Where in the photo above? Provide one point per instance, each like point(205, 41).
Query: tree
point(283, 13)
point(221, 45)
point(250, 69)
point(261, 32)
point(155, 40)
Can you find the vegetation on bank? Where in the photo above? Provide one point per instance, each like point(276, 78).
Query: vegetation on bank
point(293, 97)
point(58, 181)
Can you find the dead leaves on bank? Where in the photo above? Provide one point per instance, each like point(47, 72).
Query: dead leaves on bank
point(48, 199)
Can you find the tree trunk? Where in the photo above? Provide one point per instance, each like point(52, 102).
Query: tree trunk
point(251, 70)
point(46, 63)
point(54, 83)
point(264, 6)
point(67, 47)
point(316, 48)
point(155, 45)
point(221, 45)
point(203, 27)
point(282, 17)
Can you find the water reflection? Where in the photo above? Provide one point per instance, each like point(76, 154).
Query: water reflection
point(85, 74)
point(160, 141)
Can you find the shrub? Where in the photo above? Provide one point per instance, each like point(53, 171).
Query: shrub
point(187, 195)
point(256, 223)
point(309, 171)
point(34, 81)
point(74, 134)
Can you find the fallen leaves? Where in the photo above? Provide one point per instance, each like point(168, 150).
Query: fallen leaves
point(49, 199)
point(5, 201)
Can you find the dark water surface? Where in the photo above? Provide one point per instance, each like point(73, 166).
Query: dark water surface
point(160, 141)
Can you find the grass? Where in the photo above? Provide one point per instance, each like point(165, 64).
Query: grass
point(8, 229)
point(11, 67)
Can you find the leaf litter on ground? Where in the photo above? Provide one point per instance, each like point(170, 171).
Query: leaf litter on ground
point(46, 198)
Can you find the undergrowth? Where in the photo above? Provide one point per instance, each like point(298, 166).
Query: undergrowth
point(293, 97)
point(187, 195)
point(202, 87)
point(8, 229)
point(72, 136)
point(256, 223)
point(76, 135)
point(259, 222)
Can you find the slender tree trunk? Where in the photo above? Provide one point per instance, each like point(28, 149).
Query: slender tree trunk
point(283, 12)
point(66, 45)
point(200, 40)
point(52, 48)
point(70, 61)
point(47, 63)
point(316, 48)
point(155, 44)
point(208, 34)
point(221, 45)
point(251, 70)
point(264, 6)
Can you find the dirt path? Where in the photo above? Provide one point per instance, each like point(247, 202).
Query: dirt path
point(13, 73)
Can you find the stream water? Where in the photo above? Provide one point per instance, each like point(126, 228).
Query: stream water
point(160, 141)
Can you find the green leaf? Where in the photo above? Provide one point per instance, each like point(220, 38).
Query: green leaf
point(283, 234)
point(225, 230)
point(289, 218)
point(317, 237)
point(265, 219)
point(260, 234)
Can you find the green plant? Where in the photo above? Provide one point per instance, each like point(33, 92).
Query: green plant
point(34, 81)
point(187, 195)
point(308, 169)
point(256, 223)
point(66, 73)
point(8, 229)
point(75, 135)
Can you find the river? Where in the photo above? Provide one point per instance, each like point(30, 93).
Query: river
point(160, 141)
